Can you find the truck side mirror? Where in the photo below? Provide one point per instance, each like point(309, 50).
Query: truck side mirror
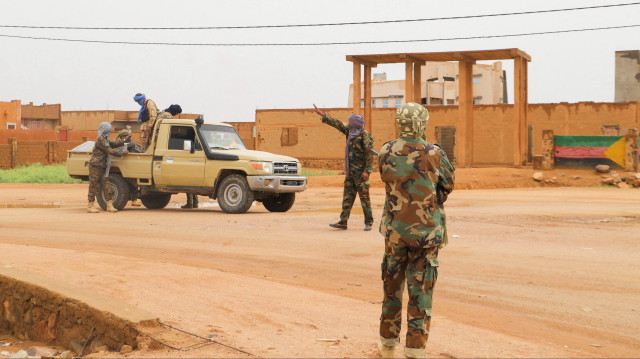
point(187, 145)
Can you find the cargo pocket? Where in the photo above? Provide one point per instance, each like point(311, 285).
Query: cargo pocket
point(384, 267)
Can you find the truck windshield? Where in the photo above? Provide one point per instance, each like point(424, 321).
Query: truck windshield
point(221, 137)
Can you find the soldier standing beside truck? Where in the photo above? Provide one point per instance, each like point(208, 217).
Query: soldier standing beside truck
point(146, 117)
point(99, 166)
point(418, 177)
point(358, 159)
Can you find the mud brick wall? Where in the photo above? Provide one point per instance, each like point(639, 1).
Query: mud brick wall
point(61, 149)
point(299, 132)
point(45, 152)
point(30, 312)
point(5, 156)
point(32, 152)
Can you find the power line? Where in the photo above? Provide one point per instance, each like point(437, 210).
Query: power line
point(319, 43)
point(319, 24)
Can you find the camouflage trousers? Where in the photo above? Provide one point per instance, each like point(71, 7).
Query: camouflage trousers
point(97, 182)
point(420, 268)
point(353, 186)
point(192, 199)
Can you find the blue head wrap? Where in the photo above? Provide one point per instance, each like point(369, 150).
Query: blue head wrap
point(140, 100)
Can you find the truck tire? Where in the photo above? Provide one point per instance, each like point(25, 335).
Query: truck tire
point(234, 194)
point(281, 203)
point(121, 192)
point(156, 200)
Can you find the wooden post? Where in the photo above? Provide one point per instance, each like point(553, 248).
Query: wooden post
point(367, 98)
point(51, 151)
point(13, 151)
point(631, 155)
point(548, 154)
point(408, 82)
point(464, 130)
point(520, 112)
point(417, 80)
point(356, 88)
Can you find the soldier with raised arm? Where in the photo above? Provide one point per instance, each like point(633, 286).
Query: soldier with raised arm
point(358, 164)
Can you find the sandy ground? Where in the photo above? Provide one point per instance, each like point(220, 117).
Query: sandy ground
point(529, 272)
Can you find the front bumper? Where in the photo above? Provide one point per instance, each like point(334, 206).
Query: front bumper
point(277, 184)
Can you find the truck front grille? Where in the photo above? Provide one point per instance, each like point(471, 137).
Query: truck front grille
point(285, 168)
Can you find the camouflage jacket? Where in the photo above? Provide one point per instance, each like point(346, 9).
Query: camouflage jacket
point(360, 154)
point(418, 178)
point(102, 148)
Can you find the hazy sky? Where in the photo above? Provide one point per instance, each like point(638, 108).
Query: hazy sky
point(229, 83)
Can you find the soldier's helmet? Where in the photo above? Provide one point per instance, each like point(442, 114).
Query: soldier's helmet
point(124, 133)
point(412, 119)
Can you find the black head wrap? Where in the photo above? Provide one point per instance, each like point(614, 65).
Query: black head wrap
point(174, 110)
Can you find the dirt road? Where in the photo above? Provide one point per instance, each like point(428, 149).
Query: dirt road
point(534, 272)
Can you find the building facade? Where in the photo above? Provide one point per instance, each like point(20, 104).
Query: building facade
point(627, 76)
point(440, 86)
point(16, 116)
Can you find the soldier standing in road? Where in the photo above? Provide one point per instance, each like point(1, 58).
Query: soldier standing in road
point(418, 178)
point(358, 164)
point(146, 117)
point(99, 166)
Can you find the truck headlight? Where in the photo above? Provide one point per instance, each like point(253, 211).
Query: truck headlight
point(266, 167)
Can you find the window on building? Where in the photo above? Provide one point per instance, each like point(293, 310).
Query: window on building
point(476, 80)
point(398, 103)
point(11, 125)
point(361, 103)
point(385, 103)
point(289, 136)
point(373, 103)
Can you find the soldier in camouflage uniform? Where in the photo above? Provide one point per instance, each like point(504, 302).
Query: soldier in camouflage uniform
point(357, 167)
point(146, 117)
point(99, 165)
point(418, 178)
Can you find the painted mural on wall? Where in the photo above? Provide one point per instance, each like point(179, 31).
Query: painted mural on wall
point(590, 151)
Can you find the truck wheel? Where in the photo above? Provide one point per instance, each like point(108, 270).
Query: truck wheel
point(281, 203)
point(234, 194)
point(121, 192)
point(156, 200)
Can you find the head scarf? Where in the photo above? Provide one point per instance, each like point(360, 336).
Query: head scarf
point(139, 98)
point(412, 119)
point(104, 129)
point(174, 110)
point(355, 127)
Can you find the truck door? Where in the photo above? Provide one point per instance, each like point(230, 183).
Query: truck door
point(180, 166)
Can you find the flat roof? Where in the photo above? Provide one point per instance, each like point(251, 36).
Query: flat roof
point(478, 55)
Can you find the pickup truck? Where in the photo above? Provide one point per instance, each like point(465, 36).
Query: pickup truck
point(194, 156)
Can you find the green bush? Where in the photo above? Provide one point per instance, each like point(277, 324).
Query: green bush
point(37, 173)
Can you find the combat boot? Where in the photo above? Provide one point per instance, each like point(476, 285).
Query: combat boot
point(136, 203)
point(110, 207)
point(91, 208)
point(187, 206)
point(415, 353)
point(386, 351)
